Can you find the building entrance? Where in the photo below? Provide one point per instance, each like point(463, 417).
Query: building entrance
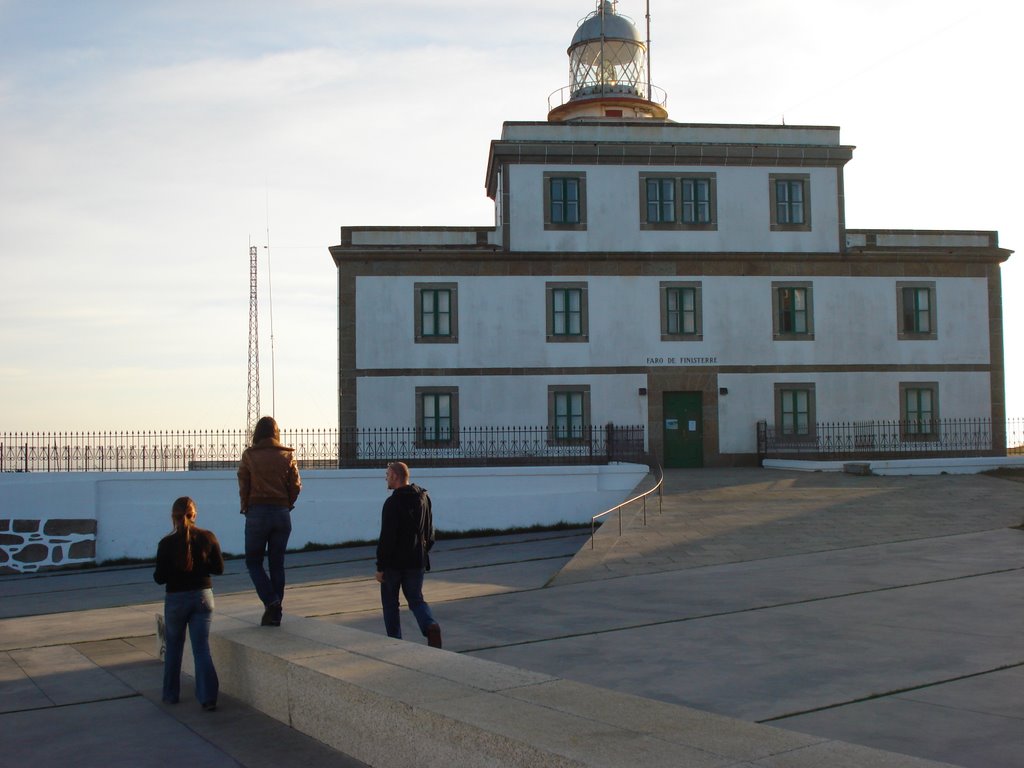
point(683, 429)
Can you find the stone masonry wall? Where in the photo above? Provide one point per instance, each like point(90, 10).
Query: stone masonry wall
point(28, 546)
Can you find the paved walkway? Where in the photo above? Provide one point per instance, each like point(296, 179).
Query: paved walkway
point(880, 611)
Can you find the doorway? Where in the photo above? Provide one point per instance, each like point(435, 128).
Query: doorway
point(683, 429)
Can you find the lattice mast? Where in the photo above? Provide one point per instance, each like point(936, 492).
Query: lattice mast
point(253, 399)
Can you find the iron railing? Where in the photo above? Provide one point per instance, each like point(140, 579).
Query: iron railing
point(882, 439)
point(640, 91)
point(659, 487)
point(486, 446)
point(1015, 437)
point(173, 451)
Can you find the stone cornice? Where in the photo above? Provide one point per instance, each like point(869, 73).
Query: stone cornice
point(659, 153)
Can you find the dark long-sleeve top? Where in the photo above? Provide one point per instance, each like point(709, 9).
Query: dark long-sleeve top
point(207, 560)
point(406, 530)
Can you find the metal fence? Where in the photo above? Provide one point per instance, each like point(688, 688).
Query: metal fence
point(1015, 437)
point(175, 451)
point(879, 439)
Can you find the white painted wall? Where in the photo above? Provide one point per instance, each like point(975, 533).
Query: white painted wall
point(502, 324)
point(132, 510)
point(613, 213)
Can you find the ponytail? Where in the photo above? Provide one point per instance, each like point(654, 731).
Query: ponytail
point(183, 515)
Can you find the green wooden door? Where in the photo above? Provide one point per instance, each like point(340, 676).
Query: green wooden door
point(683, 429)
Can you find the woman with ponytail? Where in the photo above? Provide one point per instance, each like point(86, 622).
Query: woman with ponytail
point(185, 560)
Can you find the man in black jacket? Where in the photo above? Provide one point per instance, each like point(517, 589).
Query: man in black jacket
point(406, 536)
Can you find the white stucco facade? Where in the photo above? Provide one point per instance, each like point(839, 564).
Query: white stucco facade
point(507, 326)
point(507, 332)
point(743, 212)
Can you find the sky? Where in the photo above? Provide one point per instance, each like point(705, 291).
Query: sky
point(145, 144)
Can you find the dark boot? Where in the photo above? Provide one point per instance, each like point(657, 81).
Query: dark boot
point(434, 635)
point(272, 615)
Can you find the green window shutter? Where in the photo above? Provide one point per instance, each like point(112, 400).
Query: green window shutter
point(436, 312)
point(789, 201)
point(565, 200)
point(917, 310)
point(696, 201)
point(920, 411)
point(795, 412)
point(681, 311)
point(437, 417)
point(793, 310)
point(661, 201)
point(568, 415)
point(567, 312)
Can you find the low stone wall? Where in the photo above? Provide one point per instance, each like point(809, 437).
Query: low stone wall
point(397, 703)
point(28, 546)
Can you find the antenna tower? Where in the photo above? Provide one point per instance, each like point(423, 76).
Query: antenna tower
point(253, 399)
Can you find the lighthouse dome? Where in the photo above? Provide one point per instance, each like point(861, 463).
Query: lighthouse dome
point(612, 26)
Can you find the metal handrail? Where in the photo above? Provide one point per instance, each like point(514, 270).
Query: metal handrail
point(659, 486)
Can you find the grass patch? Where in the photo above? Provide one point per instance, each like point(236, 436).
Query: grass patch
point(316, 546)
point(480, 533)
point(1015, 474)
point(442, 535)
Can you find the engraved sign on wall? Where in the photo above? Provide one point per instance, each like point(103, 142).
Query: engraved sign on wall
point(681, 360)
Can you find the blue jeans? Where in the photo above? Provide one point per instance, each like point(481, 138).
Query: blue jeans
point(267, 529)
point(410, 581)
point(193, 610)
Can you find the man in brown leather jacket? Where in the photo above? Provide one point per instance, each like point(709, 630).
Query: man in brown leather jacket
point(268, 485)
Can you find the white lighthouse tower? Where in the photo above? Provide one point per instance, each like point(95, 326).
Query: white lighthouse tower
point(610, 72)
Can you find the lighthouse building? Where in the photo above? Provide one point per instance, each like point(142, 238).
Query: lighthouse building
point(697, 280)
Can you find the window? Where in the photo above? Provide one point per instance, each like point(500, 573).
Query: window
point(681, 311)
point(792, 312)
point(661, 201)
point(696, 201)
point(919, 410)
point(565, 201)
point(436, 311)
point(567, 312)
point(794, 411)
point(569, 413)
point(790, 201)
point(437, 317)
point(916, 308)
point(437, 423)
point(683, 201)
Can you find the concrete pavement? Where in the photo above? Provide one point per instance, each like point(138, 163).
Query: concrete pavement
point(881, 611)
